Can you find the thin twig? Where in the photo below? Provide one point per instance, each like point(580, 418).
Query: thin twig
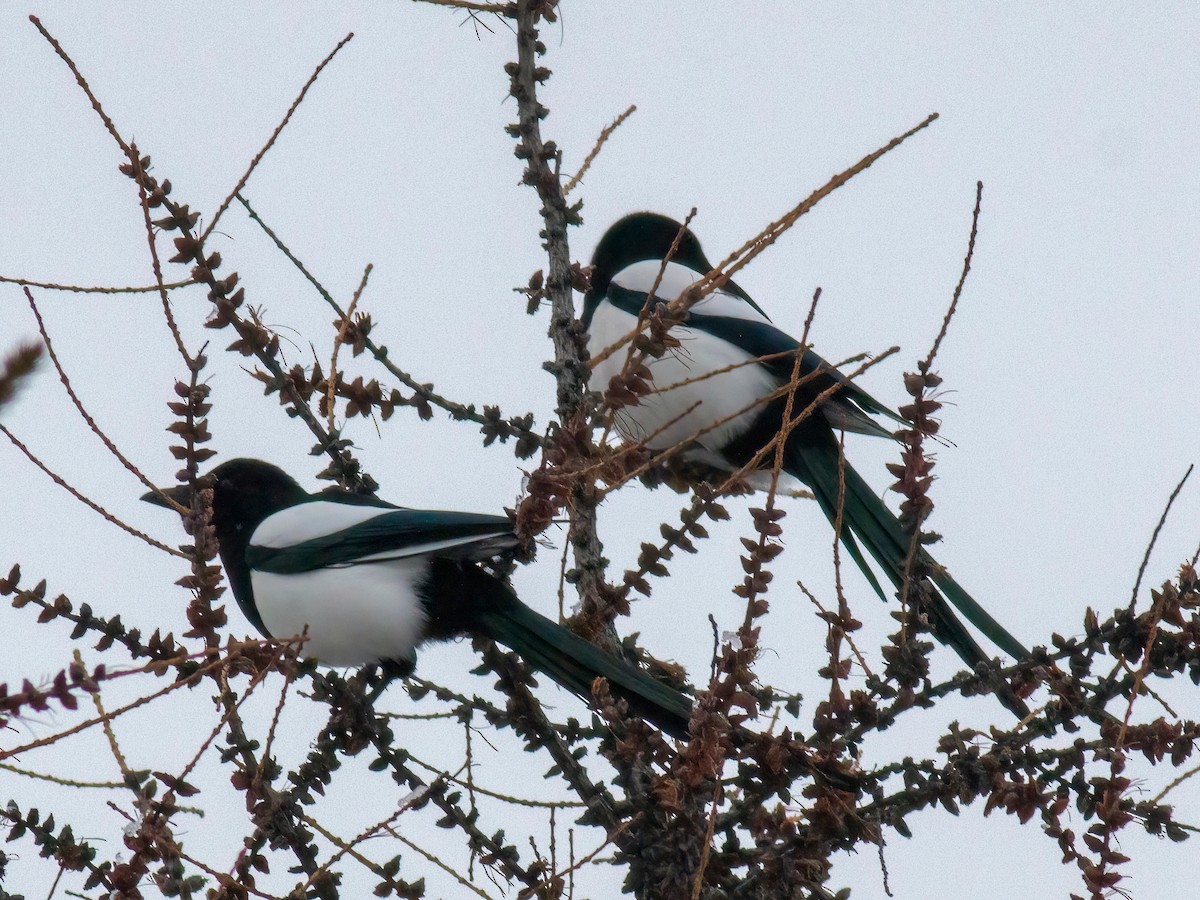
point(605, 134)
point(65, 782)
point(95, 289)
point(108, 717)
point(812, 598)
point(918, 433)
point(312, 79)
point(1190, 773)
point(742, 257)
point(497, 795)
point(194, 363)
point(424, 391)
point(79, 407)
point(634, 358)
point(82, 82)
point(331, 393)
point(348, 848)
point(770, 446)
point(283, 693)
point(587, 858)
point(95, 507)
point(430, 856)
point(1137, 584)
point(720, 274)
point(106, 723)
point(962, 278)
point(643, 314)
point(706, 850)
point(500, 9)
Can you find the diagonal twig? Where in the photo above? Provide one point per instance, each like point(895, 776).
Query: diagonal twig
point(312, 79)
point(605, 134)
point(1137, 584)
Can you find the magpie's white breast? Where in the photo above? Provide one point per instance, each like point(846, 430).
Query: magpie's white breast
point(734, 393)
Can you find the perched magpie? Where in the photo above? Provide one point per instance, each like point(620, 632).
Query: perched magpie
point(372, 582)
point(722, 330)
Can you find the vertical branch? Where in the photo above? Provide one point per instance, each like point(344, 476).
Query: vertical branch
point(569, 366)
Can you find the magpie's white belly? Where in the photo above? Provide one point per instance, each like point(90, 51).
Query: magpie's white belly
point(734, 394)
point(354, 614)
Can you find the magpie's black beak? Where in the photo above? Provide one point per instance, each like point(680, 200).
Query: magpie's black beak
point(164, 497)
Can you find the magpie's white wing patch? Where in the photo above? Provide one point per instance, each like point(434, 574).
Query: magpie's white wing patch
point(676, 279)
point(325, 534)
point(307, 521)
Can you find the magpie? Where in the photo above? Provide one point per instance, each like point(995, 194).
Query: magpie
point(367, 581)
point(727, 420)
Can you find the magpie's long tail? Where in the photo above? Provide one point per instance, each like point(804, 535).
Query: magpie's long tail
point(812, 455)
point(575, 663)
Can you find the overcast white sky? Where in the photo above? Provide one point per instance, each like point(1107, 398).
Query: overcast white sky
point(1072, 361)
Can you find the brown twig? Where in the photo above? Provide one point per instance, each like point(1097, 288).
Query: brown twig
point(720, 274)
point(577, 864)
point(6, 753)
point(500, 9)
point(331, 393)
point(1162, 520)
point(632, 357)
point(106, 723)
point(1176, 782)
point(65, 782)
point(95, 289)
point(82, 82)
point(812, 598)
point(962, 278)
point(770, 447)
point(258, 157)
point(345, 848)
point(79, 407)
point(194, 363)
point(90, 504)
point(431, 857)
point(497, 795)
point(457, 411)
point(914, 455)
point(742, 257)
point(605, 134)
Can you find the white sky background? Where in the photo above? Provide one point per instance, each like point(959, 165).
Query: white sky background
point(1071, 361)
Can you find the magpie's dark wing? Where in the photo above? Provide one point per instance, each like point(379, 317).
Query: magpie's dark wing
point(297, 540)
point(762, 339)
point(753, 333)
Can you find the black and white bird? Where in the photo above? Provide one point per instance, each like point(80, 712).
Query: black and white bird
point(367, 581)
point(722, 330)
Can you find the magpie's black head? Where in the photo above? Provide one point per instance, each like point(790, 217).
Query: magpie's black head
point(641, 236)
point(245, 491)
point(636, 237)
